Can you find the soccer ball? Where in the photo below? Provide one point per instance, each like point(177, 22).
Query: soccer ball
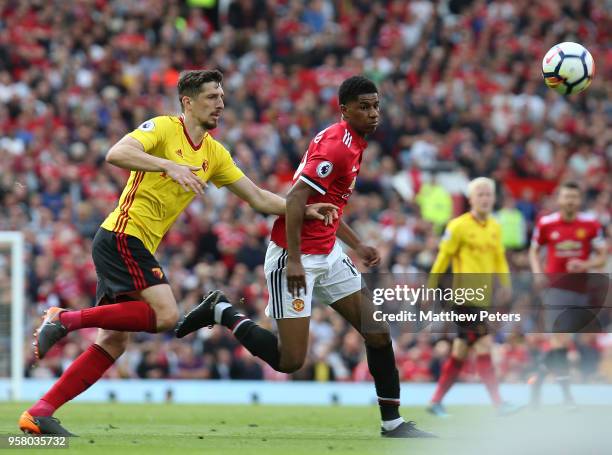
point(568, 68)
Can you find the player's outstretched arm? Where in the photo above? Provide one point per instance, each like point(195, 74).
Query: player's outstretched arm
point(294, 219)
point(259, 199)
point(266, 202)
point(130, 154)
point(369, 254)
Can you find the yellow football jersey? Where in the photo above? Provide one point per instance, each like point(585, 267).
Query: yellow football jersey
point(151, 201)
point(474, 248)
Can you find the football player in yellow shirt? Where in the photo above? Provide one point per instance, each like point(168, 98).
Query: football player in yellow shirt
point(472, 242)
point(171, 160)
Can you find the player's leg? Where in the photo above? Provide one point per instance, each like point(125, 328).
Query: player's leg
point(557, 363)
point(449, 374)
point(125, 268)
point(570, 319)
point(286, 354)
point(381, 361)
point(78, 377)
point(379, 353)
point(485, 368)
point(557, 306)
point(342, 288)
point(483, 346)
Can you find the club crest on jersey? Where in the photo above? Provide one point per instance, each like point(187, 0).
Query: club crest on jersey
point(324, 169)
point(179, 152)
point(298, 305)
point(157, 272)
point(581, 233)
point(205, 165)
point(149, 125)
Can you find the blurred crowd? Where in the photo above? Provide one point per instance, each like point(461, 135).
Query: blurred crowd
point(462, 96)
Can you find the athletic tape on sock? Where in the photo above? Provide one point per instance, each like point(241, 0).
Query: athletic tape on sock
point(219, 309)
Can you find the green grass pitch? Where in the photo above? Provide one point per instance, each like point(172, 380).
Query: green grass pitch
point(291, 430)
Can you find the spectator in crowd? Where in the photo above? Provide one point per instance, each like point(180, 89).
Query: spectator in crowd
point(514, 226)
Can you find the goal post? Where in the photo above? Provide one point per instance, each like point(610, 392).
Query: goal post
point(13, 243)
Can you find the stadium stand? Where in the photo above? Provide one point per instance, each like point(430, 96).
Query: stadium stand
point(461, 97)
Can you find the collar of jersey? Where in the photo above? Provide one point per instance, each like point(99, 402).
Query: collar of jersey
point(362, 141)
point(480, 223)
point(193, 146)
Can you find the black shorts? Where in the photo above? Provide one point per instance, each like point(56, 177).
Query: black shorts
point(123, 265)
point(470, 331)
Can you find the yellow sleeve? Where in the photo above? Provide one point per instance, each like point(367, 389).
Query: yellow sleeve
point(151, 133)
point(225, 172)
point(451, 240)
point(449, 245)
point(501, 264)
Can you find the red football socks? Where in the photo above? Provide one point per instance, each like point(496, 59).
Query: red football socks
point(136, 316)
point(80, 375)
point(485, 369)
point(450, 372)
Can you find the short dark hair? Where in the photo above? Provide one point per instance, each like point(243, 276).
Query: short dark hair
point(190, 82)
point(571, 185)
point(354, 86)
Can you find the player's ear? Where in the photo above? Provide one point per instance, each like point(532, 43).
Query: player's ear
point(343, 111)
point(185, 101)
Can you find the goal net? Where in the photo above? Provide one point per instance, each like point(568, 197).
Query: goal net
point(12, 300)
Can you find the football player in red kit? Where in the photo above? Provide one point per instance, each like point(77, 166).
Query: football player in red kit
point(575, 245)
point(305, 260)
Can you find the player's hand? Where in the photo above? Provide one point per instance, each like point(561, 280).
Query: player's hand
point(577, 266)
point(323, 211)
point(540, 281)
point(185, 176)
point(296, 277)
point(368, 254)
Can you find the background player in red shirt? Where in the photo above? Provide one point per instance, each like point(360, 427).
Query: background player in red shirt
point(305, 259)
point(575, 245)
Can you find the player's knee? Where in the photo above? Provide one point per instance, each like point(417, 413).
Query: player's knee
point(291, 364)
point(483, 345)
point(377, 340)
point(290, 367)
point(112, 342)
point(460, 348)
point(166, 319)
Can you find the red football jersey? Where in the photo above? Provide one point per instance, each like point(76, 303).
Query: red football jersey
point(330, 166)
point(567, 239)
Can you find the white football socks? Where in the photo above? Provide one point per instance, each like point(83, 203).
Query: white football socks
point(389, 425)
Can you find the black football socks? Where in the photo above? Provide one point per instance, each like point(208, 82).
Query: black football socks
point(381, 362)
point(260, 342)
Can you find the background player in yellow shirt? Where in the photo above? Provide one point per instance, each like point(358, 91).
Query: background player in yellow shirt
point(171, 159)
point(472, 242)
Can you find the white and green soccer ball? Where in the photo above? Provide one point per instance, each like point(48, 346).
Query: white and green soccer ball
point(568, 68)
